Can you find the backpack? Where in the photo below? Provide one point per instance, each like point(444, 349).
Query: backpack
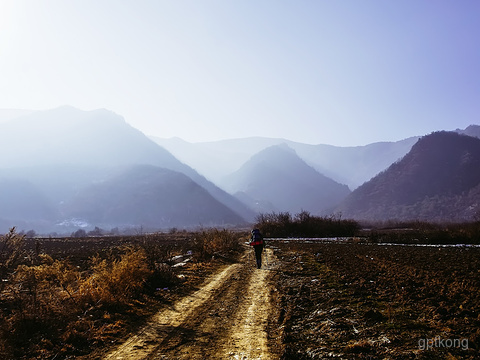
point(257, 238)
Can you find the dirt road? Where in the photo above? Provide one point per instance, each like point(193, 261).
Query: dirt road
point(227, 318)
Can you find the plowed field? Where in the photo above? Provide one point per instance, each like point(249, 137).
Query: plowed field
point(324, 301)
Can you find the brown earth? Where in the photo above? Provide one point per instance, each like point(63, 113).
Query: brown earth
point(322, 301)
point(229, 317)
point(368, 301)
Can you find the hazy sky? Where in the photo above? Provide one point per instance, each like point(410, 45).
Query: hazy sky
point(334, 71)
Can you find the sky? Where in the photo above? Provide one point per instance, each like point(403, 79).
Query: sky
point(344, 72)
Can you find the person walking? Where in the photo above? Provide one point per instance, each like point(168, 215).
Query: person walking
point(258, 244)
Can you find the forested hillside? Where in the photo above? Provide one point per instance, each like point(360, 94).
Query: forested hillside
point(438, 179)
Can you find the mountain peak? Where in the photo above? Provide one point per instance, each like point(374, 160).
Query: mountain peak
point(277, 154)
point(471, 130)
point(67, 135)
point(277, 179)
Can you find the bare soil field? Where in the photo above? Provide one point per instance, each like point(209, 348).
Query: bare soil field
point(360, 301)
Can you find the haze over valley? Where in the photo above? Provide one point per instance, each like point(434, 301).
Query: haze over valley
point(65, 169)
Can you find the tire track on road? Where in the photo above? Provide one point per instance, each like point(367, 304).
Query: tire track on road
point(247, 339)
point(226, 319)
point(142, 344)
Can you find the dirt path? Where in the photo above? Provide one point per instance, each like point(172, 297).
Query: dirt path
point(226, 318)
point(247, 338)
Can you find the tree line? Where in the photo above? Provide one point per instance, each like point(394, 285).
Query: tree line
point(303, 224)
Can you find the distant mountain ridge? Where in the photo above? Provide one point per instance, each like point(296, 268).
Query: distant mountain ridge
point(217, 160)
point(439, 179)
point(93, 138)
point(472, 130)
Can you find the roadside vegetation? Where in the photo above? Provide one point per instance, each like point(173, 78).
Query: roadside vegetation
point(64, 297)
point(305, 225)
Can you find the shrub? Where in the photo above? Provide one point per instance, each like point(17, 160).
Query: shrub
point(79, 233)
point(11, 253)
point(215, 242)
point(304, 225)
point(117, 281)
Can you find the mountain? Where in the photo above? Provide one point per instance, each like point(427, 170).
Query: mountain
point(439, 180)
point(55, 165)
point(276, 179)
point(218, 159)
point(24, 205)
point(149, 196)
point(64, 150)
point(472, 130)
point(353, 165)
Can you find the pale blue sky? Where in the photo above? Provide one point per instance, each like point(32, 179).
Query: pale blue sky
point(335, 72)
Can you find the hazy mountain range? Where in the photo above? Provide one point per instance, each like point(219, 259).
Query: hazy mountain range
point(65, 168)
point(217, 160)
point(63, 152)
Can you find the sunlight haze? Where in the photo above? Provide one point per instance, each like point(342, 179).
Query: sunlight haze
point(331, 72)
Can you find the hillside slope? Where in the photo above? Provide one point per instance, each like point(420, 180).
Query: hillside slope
point(152, 197)
point(353, 165)
point(437, 180)
point(22, 200)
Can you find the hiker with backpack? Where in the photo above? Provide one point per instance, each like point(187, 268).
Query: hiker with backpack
point(258, 244)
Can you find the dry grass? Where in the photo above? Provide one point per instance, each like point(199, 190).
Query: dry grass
point(66, 303)
point(215, 242)
point(116, 281)
point(53, 302)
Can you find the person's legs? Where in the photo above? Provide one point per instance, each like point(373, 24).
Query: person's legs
point(258, 256)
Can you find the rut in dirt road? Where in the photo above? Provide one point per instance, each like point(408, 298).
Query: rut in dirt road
point(226, 319)
point(247, 338)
